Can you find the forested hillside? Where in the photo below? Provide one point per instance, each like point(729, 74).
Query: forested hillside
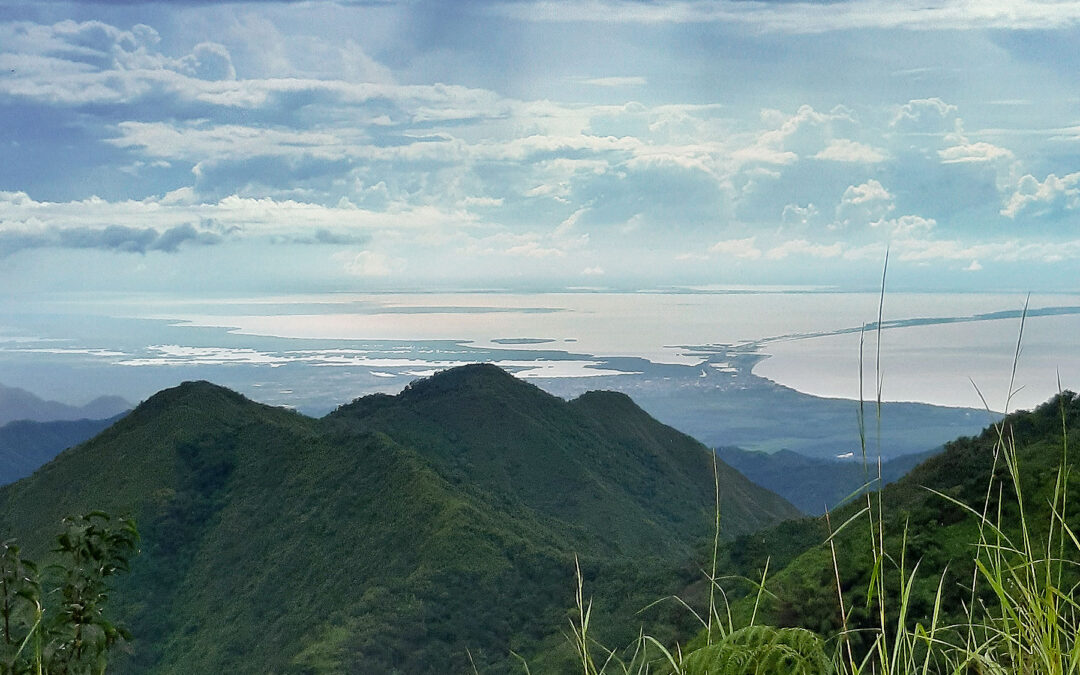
point(414, 533)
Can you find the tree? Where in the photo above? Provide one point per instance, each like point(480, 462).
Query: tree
point(74, 636)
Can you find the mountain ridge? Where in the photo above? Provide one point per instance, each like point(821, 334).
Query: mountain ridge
point(400, 533)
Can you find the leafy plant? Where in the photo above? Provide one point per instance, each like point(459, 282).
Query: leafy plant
point(21, 606)
point(761, 650)
point(74, 636)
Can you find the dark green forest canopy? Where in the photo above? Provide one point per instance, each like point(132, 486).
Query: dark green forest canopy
point(398, 533)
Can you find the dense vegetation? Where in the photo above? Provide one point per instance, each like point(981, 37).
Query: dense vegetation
point(928, 527)
point(426, 532)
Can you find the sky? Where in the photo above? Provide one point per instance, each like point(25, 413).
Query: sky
point(214, 148)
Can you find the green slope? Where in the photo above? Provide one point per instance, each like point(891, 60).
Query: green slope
point(634, 484)
point(399, 534)
point(940, 534)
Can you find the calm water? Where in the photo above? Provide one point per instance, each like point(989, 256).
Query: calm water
point(311, 350)
point(957, 364)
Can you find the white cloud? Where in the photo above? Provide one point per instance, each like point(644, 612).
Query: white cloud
point(482, 202)
point(594, 271)
point(974, 152)
point(209, 61)
point(198, 141)
point(793, 214)
point(23, 219)
point(906, 226)
point(923, 250)
point(295, 151)
point(926, 115)
point(844, 150)
point(865, 203)
point(569, 225)
point(805, 133)
point(1042, 198)
point(533, 249)
point(737, 248)
point(809, 17)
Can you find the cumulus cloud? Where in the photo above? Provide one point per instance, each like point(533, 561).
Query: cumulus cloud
point(844, 150)
point(865, 203)
point(808, 132)
point(1052, 195)
point(926, 116)
point(209, 61)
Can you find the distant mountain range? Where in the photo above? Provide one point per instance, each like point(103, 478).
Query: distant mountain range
point(418, 533)
point(19, 404)
point(816, 485)
point(26, 445)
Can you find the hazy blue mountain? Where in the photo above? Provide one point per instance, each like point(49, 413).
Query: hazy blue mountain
point(26, 445)
point(19, 404)
point(815, 484)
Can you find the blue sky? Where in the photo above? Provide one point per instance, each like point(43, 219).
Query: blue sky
point(236, 147)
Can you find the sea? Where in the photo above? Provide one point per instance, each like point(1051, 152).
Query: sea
point(316, 351)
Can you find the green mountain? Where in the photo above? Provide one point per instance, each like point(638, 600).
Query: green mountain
point(816, 485)
point(26, 445)
point(415, 533)
point(940, 535)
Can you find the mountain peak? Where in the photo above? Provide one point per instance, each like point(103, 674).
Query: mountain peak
point(602, 399)
point(484, 380)
point(461, 377)
point(197, 393)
